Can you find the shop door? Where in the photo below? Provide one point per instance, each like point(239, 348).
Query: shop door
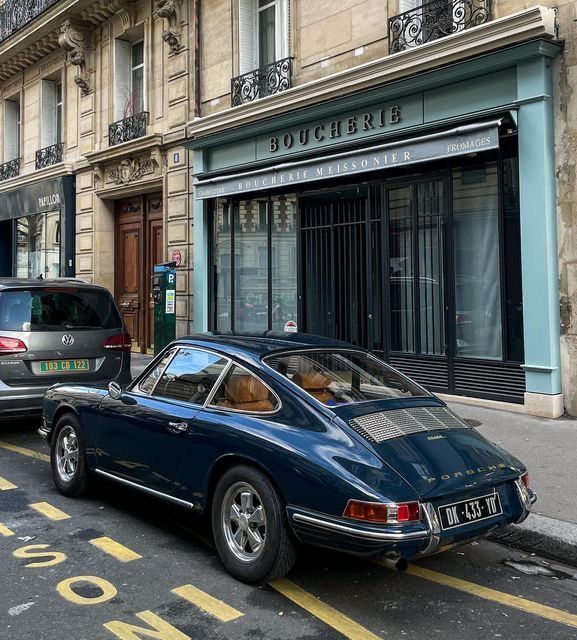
point(418, 301)
point(139, 245)
point(340, 272)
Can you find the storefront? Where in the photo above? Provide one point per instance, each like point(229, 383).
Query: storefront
point(37, 230)
point(416, 220)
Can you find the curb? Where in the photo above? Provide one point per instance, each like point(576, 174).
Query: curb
point(553, 539)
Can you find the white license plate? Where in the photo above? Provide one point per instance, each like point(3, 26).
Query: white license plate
point(469, 511)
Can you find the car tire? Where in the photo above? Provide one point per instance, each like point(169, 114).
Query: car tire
point(68, 457)
point(247, 508)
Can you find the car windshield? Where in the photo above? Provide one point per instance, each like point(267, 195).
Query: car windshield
point(57, 310)
point(343, 377)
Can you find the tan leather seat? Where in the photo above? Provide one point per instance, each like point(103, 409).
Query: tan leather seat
point(316, 384)
point(247, 393)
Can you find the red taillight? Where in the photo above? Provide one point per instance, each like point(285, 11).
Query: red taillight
point(11, 345)
point(120, 342)
point(379, 512)
point(525, 479)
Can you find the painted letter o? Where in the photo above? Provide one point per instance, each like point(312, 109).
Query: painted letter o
point(64, 588)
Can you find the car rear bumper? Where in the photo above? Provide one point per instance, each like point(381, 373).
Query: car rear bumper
point(415, 539)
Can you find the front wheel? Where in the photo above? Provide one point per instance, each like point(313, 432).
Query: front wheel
point(68, 457)
point(249, 527)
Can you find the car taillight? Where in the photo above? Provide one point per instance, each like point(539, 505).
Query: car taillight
point(391, 512)
point(119, 342)
point(525, 479)
point(11, 345)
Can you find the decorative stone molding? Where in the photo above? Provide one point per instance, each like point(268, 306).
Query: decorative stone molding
point(171, 11)
point(125, 9)
point(74, 39)
point(102, 10)
point(130, 170)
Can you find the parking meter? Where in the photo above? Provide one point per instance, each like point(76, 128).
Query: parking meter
point(164, 298)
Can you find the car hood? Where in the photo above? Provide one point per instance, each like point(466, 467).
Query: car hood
point(438, 454)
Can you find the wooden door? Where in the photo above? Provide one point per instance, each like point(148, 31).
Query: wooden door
point(128, 286)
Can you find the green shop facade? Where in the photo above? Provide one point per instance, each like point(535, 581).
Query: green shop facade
point(416, 219)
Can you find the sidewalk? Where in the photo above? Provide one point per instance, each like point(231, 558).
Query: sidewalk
point(549, 449)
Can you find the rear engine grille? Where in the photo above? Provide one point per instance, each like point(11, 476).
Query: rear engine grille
point(386, 425)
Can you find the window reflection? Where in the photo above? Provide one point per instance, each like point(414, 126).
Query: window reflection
point(38, 245)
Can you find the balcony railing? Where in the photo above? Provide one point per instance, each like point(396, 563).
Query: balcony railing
point(434, 20)
point(15, 14)
point(127, 129)
point(266, 81)
point(49, 155)
point(10, 169)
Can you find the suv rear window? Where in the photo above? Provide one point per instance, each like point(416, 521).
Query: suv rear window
point(63, 309)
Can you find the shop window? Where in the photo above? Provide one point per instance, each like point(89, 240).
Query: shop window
point(254, 264)
point(38, 245)
point(129, 78)
point(11, 129)
point(263, 33)
point(477, 275)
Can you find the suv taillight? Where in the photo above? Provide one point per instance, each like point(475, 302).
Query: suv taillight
point(9, 346)
point(120, 342)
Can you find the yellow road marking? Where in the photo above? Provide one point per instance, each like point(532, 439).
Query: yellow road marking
point(6, 484)
point(495, 596)
point(206, 602)
point(115, 549)
point(335, 619)
point(4, 531)
point(49, 511)
point(23, 451)
point(64, 588)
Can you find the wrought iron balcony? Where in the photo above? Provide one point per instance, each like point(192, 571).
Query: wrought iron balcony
point(10, 169)
point(15, 14)
point(434, 20)
point(49, 155)
point(127, 129)
point(266, 81)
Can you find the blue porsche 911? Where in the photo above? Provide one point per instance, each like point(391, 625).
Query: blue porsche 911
point(281, 439)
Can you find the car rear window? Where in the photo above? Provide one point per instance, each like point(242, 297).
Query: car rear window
point(57, 310)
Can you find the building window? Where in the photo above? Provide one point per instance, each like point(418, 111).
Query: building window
point(38, 245)
point(51, 118)
point(11, 129)
point(129, 75)
point(263, 33)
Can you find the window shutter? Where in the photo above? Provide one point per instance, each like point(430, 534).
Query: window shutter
point(122, 97)
point(48, 121)
point(407, 5)
point(11, 130)
point(284, 29)
point(247, 35)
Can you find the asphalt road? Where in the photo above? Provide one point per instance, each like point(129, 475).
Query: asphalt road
point(120, 565)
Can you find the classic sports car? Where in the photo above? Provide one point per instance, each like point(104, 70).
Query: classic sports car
point(289, 438)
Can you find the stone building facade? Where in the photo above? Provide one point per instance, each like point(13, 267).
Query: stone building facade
point(122, 73)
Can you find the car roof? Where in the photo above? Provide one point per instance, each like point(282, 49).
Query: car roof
point(261, 344)
point(38, 283)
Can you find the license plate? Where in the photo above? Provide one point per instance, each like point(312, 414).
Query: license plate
point(55, 366)
point(468, 511)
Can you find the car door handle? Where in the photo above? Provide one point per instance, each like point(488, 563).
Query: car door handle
point(177, 427)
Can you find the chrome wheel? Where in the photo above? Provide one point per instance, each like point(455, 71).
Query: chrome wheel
point(243, 521)
point(67, 453)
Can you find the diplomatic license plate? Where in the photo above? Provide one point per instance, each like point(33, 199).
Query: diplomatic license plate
point(468, 511)
point(55, 366)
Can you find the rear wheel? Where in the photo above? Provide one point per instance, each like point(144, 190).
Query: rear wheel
point(68, 457)
point(249, 527)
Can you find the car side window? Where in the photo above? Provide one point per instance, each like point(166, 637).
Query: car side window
point(190, 376)
point(147, 385)
point(242, 391)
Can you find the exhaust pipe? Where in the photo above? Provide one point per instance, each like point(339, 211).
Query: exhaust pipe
point(399, 564)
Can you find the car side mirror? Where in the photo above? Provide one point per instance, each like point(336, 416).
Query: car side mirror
point(114, 390)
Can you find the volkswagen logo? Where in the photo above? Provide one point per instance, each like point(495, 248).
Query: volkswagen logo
point(67, 340)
